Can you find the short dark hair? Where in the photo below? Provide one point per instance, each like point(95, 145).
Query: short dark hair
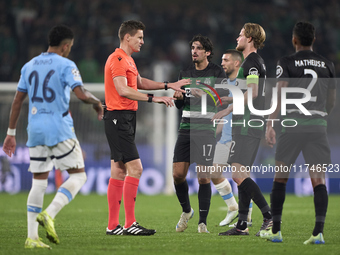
point(305, 32)
point(206, 43)
point(59, 33)
point(237, 55)
point(130, 27)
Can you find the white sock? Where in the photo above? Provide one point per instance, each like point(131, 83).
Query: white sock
point(67, 191)
point(250, 211)
point(224, 189)
point(35, 202)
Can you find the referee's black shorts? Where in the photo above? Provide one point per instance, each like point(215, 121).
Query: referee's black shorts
point(120, 130)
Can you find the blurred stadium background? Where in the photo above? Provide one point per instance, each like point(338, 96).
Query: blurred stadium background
point(24, 25)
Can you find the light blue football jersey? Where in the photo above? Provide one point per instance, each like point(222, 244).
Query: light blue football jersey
point(226, 131)
point(48, 80)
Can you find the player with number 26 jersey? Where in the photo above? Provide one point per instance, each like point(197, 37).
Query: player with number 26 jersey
point(48, 79)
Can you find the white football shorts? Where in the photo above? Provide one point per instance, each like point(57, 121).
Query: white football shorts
point(222, 151)
point(63, 156)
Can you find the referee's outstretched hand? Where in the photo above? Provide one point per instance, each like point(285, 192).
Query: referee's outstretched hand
point(168, 101)
point(177, 86)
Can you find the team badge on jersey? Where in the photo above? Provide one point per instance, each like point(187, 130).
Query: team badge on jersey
point(279, 71)
point(76, 74)
point(34, 110)
point(207, 81)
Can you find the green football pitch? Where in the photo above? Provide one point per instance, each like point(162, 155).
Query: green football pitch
point(81, 228)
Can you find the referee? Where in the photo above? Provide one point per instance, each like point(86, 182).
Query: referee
point(121, 83)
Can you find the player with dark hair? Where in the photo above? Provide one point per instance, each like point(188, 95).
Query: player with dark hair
point(246, 138)
point(196, 139)
point(205, 43)
point(47, 80)
point(121, 97)
point(308, 70)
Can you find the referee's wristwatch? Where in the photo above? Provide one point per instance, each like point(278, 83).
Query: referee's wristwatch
point(166, 85)
point(150, 96)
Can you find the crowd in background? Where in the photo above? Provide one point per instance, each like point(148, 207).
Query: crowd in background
point(169, 27)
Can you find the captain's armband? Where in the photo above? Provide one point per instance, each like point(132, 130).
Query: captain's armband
point(252, 79)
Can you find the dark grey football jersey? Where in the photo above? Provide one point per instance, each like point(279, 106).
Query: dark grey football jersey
point(307, 70)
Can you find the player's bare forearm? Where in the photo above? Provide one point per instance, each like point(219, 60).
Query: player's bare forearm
point(88, 98)
point(16, 108)
point(10, 141)
point(270, 136)
point(85, 95)
point(225, 101)
point(223, 113)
